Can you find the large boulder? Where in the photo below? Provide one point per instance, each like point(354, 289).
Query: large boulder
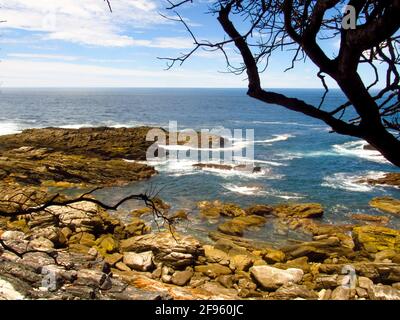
point(376, 238)
point(173, 250)
point(271, 278)
point(300, 210)
point(386, 204)
point(80, 217)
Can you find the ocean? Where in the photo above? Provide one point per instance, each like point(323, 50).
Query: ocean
point(300, 159)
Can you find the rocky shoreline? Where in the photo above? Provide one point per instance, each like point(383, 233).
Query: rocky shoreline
point(81, 251)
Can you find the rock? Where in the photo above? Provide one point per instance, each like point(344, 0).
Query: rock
point(365, 283)
point(113, 259)
point(137, 227)
point(371, 218)
point(213, 210)
point(389, 179)
point(324, 294)
point(293, 291)
point(106, 244)
point(214, 255)
point(139, 261)
point(375, 238)
point(8, 292)
point(41, 244)
point(298, 263)
point(384, 255)
point(178, 251)
point(231, 228)
point(386, 204)
point(91, 278)
point(63, 155)
point(51, 233)
point(272, 256)
point(326, 281)
point(213, 270)
point(302, 210)
point(361, 293)
point(140, 212)
point(271, 278)
point(81, 217)
point(396, 285)
point(318, 251)
point(341, 293)
point(241, 262)
point(122, 266)
point(181, 278)
point(226, 281)
point(12, 236)
point(238, 225)
point(259, 210)
point(84, 238)
point(383, 292)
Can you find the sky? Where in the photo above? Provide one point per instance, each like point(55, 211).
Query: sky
point(80, 43)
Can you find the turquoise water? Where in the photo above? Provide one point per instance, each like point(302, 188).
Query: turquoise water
point(301, 160)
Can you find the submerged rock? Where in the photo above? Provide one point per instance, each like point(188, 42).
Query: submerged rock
point(370, 218)
point(238, 225)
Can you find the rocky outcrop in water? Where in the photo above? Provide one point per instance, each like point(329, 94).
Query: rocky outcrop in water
point(389, 179)
point(74, 157)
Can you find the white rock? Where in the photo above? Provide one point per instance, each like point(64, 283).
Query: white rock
point(139, 261)
point(7, 291)
point(271, 278)
point(12, 235)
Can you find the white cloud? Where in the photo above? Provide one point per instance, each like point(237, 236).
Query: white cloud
point(171, 43)
point(82, 21)
point(25, 73)
point(43, 56)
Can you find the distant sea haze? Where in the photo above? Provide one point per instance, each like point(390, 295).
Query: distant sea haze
point(300, 160)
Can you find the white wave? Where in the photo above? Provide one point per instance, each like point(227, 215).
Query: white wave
point(351, 182)
point(9, 128)
point(259, 191)
point(247, 160)
point(244, 190)
point(111, 124)
point(235, 146)
point(356, 148)
point(77, 126)
point(288, 123)
point(277, 138)
point(283, 195)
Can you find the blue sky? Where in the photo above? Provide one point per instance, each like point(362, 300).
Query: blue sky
point(79, 43)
